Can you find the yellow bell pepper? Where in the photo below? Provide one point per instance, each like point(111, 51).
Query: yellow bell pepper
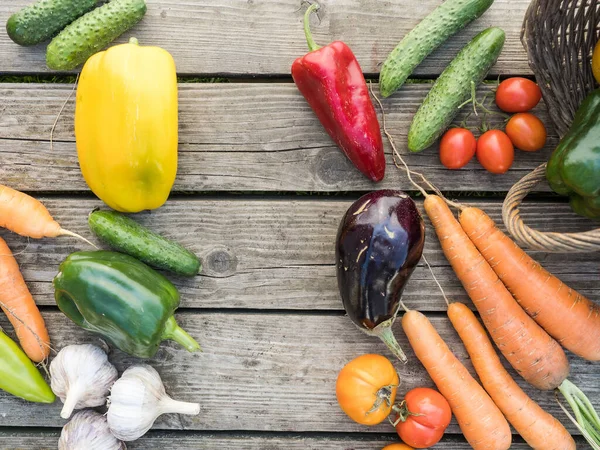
point(126, 126)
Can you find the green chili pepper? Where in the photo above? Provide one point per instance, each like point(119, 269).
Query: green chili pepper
point(19, 376)
point(122, 299)
point(574, 167)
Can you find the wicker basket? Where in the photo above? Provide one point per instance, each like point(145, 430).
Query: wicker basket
point(559, 36)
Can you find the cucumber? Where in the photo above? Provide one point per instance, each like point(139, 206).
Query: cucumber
point(453, 88)
point(44, 19)
point(444, 21)
point(127, 236)
point(91, 33)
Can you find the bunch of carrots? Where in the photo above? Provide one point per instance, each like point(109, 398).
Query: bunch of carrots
point(24, 215)
point(527, 312)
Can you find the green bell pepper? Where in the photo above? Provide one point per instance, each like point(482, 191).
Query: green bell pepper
point(19, 376)
point(574, 167)
point(122, 299)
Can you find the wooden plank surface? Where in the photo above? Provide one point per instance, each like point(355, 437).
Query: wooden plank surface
point(159, 440)
point(280, 254)
point(239, 137)
point(268, 372)
point(263, 37)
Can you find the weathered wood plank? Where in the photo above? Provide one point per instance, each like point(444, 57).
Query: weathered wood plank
point(238, 137)
point(267, 372)
point(263, 37)
point(159, 440)
point(279, 254)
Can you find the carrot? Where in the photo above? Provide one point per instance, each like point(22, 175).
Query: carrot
point(539, 429)
point(480, 420)
point(572, 319)
point(17, 303)
point(537, 357)
point(24, 215)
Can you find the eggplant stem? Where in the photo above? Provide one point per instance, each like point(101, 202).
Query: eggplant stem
point(384, 332)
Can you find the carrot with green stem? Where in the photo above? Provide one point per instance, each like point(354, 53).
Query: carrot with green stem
point(18, 304)
point(569, 317)
point(480, 420)
point(24, 215)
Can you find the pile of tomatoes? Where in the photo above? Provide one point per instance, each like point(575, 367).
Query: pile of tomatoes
point(366, 391)
point(495, 149)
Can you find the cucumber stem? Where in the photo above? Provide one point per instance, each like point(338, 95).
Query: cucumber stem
point(175, 333)
point(312, 45)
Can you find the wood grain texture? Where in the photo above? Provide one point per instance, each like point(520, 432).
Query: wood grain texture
point(159, 440)
point(239, 137)
point(280, 254)
point(268, 372)
point(263, 37)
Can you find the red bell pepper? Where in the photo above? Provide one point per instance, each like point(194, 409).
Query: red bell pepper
point(332, 82)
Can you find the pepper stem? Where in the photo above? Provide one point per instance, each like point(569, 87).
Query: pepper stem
point(174, 332)
point(312, 45)
point(384, 332)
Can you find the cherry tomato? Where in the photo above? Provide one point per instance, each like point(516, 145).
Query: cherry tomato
point(457, 147)
point(596, 62)
point(397, 447)
point(495, 151)
point(366, 389)
point(526, 132)
point(517, 95)
point(423, 417)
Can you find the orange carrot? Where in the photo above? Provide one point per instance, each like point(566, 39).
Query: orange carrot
point(539, 429)
point(480, 420)
point(537, 357)
point(572, 319)
point(17, 303)
point(24, 215)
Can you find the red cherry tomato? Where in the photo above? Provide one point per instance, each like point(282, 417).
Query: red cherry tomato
point(517, 95)
point(457, 147)
point(495, 151)
point(423, 417)
point(526, 132)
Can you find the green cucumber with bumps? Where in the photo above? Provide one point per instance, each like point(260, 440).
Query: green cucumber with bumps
point(42, 20)
point(93, 32)
point(127, 236)
point(444, 21)
point(453, 88)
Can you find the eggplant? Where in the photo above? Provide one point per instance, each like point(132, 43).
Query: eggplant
point(379, 243)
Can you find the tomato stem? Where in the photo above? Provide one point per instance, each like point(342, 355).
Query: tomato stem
point(384, 394)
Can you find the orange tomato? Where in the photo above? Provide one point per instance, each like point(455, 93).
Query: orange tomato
point(366, 389)
point(596, 62)
point(397, 447)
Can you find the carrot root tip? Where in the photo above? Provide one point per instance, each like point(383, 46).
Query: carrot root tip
point(64, 232)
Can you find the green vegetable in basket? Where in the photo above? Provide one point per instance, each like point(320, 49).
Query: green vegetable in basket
point(574, 167)
point(122, 299)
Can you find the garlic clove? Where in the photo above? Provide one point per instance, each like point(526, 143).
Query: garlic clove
point(137, 399)
point(81, 376)
point(88, 430)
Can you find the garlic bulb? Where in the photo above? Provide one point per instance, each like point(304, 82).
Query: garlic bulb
point(137, 399)
point(88, 430)
point(81, 376)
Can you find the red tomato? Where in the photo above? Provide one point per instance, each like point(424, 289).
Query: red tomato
point(495, 151)
point(423, 417)
point(526, 132)
point(457, 147)
point(517, 95)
